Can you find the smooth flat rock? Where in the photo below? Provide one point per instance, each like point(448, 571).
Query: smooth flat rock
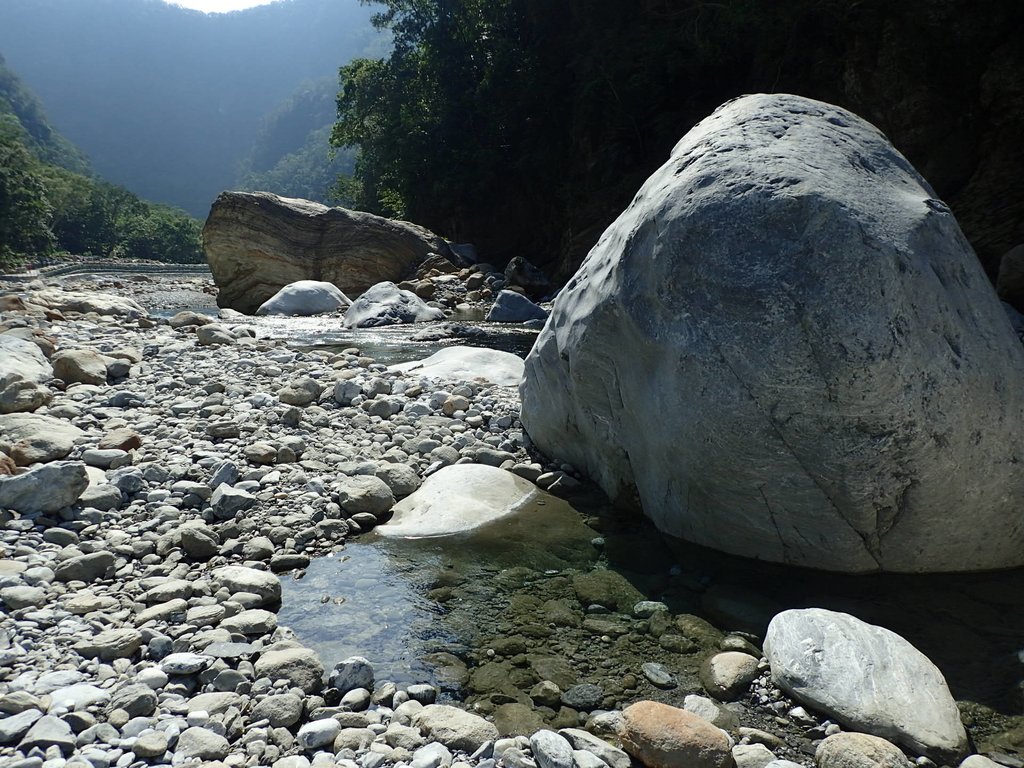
point(387, 304)
point(467, 364)
point(305, 298)
point(202, 744)
point(458, 499)
point(49, 731)
point(859, 750)
point(237, 578)
point(111, 644)
point(584, 740)
point(868, 678)
point(454, 727)
point(257, 243)
point(300, 667)
point(786, 349)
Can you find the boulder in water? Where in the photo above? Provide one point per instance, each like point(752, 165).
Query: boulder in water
point(785, 348)
point(457, 499)
point(257, 242)
point(305, 297)
point(512, 307)
point(387, 304)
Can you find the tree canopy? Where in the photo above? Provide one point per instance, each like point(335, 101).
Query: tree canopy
point(527, 125)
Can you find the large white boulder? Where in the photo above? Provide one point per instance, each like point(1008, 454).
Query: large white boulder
point(785, 348)
point(457, 499)
point(305, 297)
point(467, 364)
point(868, 678)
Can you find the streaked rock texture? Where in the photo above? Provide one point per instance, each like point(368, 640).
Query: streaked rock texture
point(868, 678)
point(785, 348)
point(257, 242)
point(387, 304)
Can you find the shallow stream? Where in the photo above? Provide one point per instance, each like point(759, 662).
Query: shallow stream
point(548, 595)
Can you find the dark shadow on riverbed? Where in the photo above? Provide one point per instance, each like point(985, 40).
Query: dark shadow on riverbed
point(970, 625)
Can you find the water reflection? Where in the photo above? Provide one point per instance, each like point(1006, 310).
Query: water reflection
point(399, 601)
point(388, 344)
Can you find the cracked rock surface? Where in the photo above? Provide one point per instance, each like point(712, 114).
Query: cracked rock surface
point(784, 348)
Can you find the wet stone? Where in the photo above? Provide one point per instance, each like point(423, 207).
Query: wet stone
point(583, 697)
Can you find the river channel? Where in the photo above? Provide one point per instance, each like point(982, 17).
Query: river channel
point(484, 617)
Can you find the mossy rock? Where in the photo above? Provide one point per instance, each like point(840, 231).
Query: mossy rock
point(608, 588)
point(517, 720)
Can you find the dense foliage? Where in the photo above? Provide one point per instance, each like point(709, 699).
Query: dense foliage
point(167, 101)
point(47, 208)
point(527, 125)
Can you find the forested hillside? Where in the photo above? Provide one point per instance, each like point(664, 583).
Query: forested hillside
point(51, 203)
point(168, 101)
point(527, 125)
point(291, 154)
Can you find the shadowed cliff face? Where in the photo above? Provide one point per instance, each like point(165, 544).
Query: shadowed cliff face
point(946, 83)
point(943, 79)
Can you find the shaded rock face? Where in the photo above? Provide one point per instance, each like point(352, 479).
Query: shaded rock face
point(257, 243)
point(786, 349)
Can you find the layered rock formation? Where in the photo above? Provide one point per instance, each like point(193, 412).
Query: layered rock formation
point(786, 349)
point(256, 243)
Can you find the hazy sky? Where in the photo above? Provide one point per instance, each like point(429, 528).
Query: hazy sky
point(218, 6)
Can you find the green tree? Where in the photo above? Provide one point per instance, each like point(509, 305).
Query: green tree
point(160, 233)
point(24, 209)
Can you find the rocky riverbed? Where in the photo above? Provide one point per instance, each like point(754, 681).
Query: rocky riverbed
point(176, 473)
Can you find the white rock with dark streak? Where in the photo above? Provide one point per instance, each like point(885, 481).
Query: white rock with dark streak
point(551, 750)
point(868, 678)
point(387, 304)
